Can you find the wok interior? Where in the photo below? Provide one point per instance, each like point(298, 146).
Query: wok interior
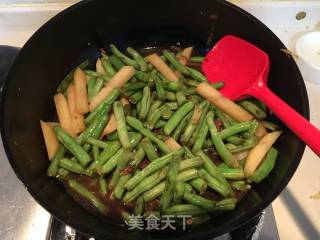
point(63, 43)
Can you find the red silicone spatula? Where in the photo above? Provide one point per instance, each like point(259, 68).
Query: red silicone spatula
point(244, 68)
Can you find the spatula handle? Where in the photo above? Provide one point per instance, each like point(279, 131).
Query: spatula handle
point(298, 124)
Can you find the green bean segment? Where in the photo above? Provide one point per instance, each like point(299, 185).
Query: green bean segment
point(70, 143)
point(90, 197)
point(111, 148)
point(91, 91)
point(177, 117)
point(106, 64)
point(116, 62)
point(152, 167)
point(198, 200)
point(197, 59)
point(123, 57)
point(71, 166)
point(174, 61)
point(171, 184)
point(136, 124)
point(138, 58)
point(265, 167)
point(103, 185)
point(254, 109)
point(217, 141)
point(121, 153)
point(185, 209)
point(215, 184)
point(102, 106)
point(199, 184)
point(149, 149)
point(145, 103)
point(54, 165)
point(121, 124)
point(146, 184)
point(235, 129)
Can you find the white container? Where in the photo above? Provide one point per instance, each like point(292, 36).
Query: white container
point(308, 51)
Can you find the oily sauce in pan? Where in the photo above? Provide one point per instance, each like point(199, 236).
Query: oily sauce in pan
point(116, 206)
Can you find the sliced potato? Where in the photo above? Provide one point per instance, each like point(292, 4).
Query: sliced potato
point(80, 85)
point(172, 144)
point(50, 139)
point(257, 153)
point(71, 97)
point(196, 114)
point(63, 112)
point(99, 67)
point(117, 81)
point(162, 67)
point(78, 124)
point(111, 126)
point(261, 131)
point(223, 103)
point(185, 55)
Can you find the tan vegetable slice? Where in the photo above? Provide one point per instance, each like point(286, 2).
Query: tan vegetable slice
point(257, 154)
point(80, 85)
point(63, 112)
point(184, 58)
point(124, 101)
point(71, 97)
point(162, 67)
point(99, 67)
point(112, 124)
point(117, 81)
point(261, 131)
point(223, 103)
point(172, 144)
point(78, 124)
point(185, 55)
point(196, 114)
point(50, 139)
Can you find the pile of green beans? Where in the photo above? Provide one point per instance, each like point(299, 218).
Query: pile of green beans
point(136, 165)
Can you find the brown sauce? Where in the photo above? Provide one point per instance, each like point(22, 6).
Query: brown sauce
point(239, 194)
point(212, 154)
point(212, 195)
point(115, 206)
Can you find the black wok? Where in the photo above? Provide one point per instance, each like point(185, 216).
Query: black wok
point(76, 34)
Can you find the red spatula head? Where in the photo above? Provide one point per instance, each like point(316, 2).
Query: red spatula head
point(244, 68)
point(241, 65)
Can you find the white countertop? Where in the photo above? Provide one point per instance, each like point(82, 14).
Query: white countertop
point(297, 214)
